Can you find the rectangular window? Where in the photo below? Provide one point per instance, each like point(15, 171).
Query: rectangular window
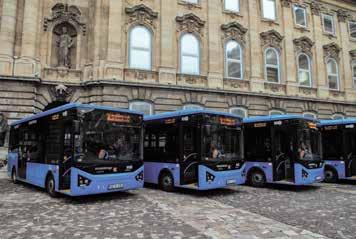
point(354, 73)
point(328, 24)
point(232, 5)
point(300, 15)
point(352, 28)
point(269, 9)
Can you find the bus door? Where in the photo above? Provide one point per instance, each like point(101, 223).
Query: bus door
point(66, 161)
point(350, 152)
point(283, 166)
point(189, 160)
point(23, 153)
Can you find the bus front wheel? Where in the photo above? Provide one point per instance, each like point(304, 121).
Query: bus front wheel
point(330, 175)
point(257, 179)
point(51, 186)
point(13, 176)
point(167, 182)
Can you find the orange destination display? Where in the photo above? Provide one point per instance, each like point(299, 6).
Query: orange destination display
point(118, 118)
point(227, 121)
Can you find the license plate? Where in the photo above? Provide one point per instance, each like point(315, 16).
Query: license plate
point(115, 186)
point(231, 181)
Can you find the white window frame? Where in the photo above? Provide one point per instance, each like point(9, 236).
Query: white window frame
point(227, 60)
point(192, 107)
point(338, 116)
point(137, 102)
point(353, 64)
point(308, 71)
point(149, 67)
point(337, 73)
point(307, 114)
point(332, 21)
point(273, 66)
point(232, 10)
point(276, 112)
point(242, 109)
point(295, 8)
point(196, 2)
point(181, 54)
point(263, 11)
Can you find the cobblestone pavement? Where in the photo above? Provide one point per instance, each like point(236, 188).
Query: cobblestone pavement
point(241, 212)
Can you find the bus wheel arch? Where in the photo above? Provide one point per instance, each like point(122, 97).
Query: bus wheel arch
point(50, 185)
point(166, 180)
point(331, 175)
point(13, 175)
point(256, 177)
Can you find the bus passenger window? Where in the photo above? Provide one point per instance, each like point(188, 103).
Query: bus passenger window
point(258, 145)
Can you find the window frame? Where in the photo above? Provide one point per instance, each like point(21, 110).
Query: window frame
point(323, 15)
point(309, 71)
point(275, 11)
point(132, 103)
point(268, 65)
point(279, 112)
point(243, 109)
point(338, 116)
point(189, 55)
point(295, 8)
point(227, 60)
point(349, 27)
point(353, 67)
point(193, 107)
point(337, 74)
point(233, 10)
point(131, 47)
point(305, 114)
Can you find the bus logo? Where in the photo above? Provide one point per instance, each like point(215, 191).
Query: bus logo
point(118, 118)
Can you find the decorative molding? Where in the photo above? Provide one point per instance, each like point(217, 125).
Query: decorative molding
point(190, 23)
point(141, 14)
point(342, 15)
point(271, 38)
point(61, 92)
point(303, 44)
point(331, 50)
point(234, 30)
point(286, 3)
point(64, 13)
point(315, 7)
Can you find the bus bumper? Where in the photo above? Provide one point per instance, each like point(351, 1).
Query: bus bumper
point(83, 183)
point(210, 179)
point(339, 166)
point(304, 176)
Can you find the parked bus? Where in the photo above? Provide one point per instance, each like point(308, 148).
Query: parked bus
point(196, 149)
point(339, 149)
point(78, 149)
point(282, 149)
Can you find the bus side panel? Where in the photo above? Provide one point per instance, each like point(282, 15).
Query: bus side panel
point(267, 168)
point(37, 173)
point(339, 166)
point(304, 176)
point(221, 179)
point(12, 163)
point(102, 183)
point(152, 171)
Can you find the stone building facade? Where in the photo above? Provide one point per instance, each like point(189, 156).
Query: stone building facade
point(242, 56)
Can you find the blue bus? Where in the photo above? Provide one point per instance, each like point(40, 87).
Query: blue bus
point(339, 149)
point(78, 149)
point(196, 149)
point(282, 149)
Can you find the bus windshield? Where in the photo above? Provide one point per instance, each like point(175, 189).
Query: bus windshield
point(107, 137)
point(309, 145)
point(221, 143)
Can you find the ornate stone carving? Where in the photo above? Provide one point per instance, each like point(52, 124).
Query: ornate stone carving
point(315, 8)
point(286, 3)
point(190, 23)
point(331, 50)
point(271, 38)
point(3, 128)
point(353, 54)
point(342, 15)
point(234, 30)
point(303, 44)
point(64, 43)
point(64, 13)
point(141, 14)
point(61, 93)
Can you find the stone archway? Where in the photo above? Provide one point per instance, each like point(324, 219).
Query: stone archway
point(54, 104)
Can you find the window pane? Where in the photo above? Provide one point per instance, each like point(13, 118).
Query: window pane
point(309, 115)
point(190, 65)
point(142, 107)
point(192, 1)
point(272, 74)
point(140, 59)
point(190, 45)
point(233, 50)
point(140, 37)
point(192, 107)
point(332, 68)
point(234, 69)
point(269, 9)
point(303, 62)
point(333, 84)
point(328, 23)
point(271, 57)
point(239, 112)
point(300, 17)
point(352, 29)
point(275, 112)
point(304, 78)
point(354, 69)
point(232, 5)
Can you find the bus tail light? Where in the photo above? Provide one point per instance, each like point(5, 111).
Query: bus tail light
point(209, 177)
point(83, 181)
point(139, 177)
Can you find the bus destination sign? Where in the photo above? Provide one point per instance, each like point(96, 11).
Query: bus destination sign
point(227, 121)
point(118, 118)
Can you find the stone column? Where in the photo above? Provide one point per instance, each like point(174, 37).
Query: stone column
point(345, 62)
point(7, 36)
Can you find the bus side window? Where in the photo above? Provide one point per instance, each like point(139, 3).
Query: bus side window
point(14, 139)
point(332, 144)
point(188, 140)
point(258, 144)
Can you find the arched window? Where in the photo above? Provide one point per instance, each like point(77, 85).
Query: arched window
point(333, 74)
point(304, 70)
point(140, 49)
point(189, 55)
point(310, 115)
point(141, 106)
point(239, 111)
point(338, 117)
point(272, 69)
point(276, 112)
point(192, 107)
point(233, 60)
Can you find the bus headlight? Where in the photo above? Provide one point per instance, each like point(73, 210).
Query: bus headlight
point(139, 177)
point(209, 177)
point(83, 181)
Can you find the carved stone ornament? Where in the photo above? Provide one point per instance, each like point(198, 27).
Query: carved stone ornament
point(234, 30)
point(342, 15)
point(61, 93)
point(271, 38)
point(3, 128)
point(315, 8)
point(190, 23)
point(331, 50)
point(303, 44)
point(141, 14)
point(286, 3)
point(353, 54)
point(64, 13)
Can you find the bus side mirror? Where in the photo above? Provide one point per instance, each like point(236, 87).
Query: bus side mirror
point(76, 126)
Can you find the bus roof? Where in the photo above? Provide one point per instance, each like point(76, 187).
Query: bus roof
point(70, 106)
point(337, 122)
point(180, 113)
point(276, 117)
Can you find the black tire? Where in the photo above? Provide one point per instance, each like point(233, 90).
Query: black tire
point(13, 176)
point(166, 182)
point(330, 175)
point(50, 186)
point(257, 179)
